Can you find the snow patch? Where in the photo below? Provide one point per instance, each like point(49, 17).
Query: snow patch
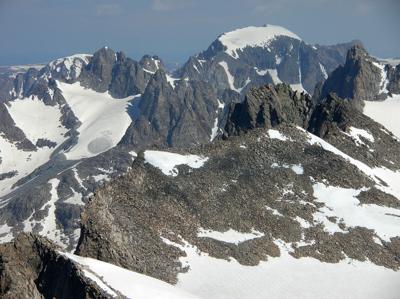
point(343, 204)
point(378, 174)
point(229, 236)
point(172, 81)
point(167, 162)
point(231, 78)
point(298, 87)
point(75, 199)
point(261, 72)
point(323, 70)
point(384, 79)
point(356, 133)
point(214, 130)
point(274, 75)
point(5, 233)
point(275, 134)
point(278, 59)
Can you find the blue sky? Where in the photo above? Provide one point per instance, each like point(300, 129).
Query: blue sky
point(40, 30)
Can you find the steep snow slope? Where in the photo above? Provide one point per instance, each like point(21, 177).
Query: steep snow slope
point(104, 119)
point(114, 279)
point(252, 37)
point(386, 113)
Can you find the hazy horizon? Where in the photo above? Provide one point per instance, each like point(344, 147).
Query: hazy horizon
point(38, 31)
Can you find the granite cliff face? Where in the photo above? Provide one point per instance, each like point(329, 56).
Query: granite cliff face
point(362, 78)
point(268, 107)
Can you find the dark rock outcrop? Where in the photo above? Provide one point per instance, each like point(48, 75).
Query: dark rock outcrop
point(173, 114)
point(267, 107)
point(31, 267)
point(362, 77)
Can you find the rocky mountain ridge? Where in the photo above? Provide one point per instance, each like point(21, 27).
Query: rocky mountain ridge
point(363, 78)
point(49, 172)
point(266, 191)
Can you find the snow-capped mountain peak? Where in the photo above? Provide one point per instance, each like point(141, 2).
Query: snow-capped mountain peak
point(71, 66)
point(252, 36)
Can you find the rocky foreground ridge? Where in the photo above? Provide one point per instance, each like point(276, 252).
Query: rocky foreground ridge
point(289, 176)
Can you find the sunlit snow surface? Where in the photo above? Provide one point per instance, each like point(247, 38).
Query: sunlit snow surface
point(229, 236)
point(167, 161)
point(47, 124)
point(231, 78)
point(385, 112)
point(275, 134)
point(71, 65)
point(283, 277)
point(343, 204)
point(37, 120)
point(113, 279)
point(252, 37)
point(356, 133)
point(386, 180)
point(104, 119)
point(49, 222)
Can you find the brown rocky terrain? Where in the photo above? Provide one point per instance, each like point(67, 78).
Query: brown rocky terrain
point(249, 182)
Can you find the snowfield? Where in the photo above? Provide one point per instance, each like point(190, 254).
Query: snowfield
point(104, 119)
point(47, 125)
point(24, 162)
point(37, 120)
point(386, 113)
point(167, 162)
point(252, 37)
point(283, 277)
point(343, 204)
point(133, 285)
